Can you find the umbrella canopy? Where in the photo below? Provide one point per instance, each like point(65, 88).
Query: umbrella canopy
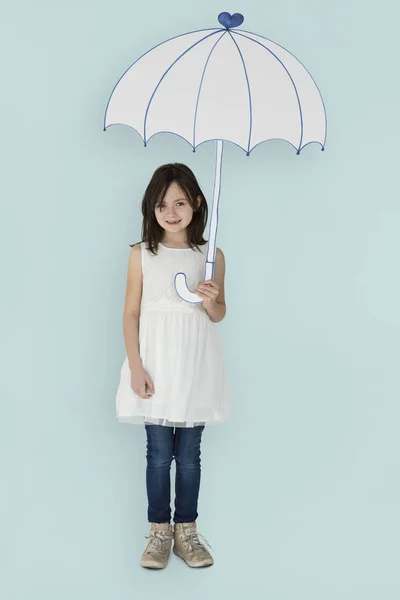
point(219, 84)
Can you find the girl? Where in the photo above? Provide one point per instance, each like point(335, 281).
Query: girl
point(173, 378)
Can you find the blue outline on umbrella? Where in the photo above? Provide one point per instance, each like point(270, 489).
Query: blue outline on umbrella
point(228, 21)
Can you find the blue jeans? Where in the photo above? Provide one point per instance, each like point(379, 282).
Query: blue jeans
point(163, 444)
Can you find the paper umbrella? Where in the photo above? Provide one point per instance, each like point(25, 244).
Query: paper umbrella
point(221, 84)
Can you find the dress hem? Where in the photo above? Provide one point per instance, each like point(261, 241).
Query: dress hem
point(141, 420)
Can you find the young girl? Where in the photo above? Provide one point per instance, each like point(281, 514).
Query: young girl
point(173, 378)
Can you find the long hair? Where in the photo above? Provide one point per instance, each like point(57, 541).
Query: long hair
point(152, 232)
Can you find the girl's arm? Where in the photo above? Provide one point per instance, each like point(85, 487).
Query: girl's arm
point(133, 299)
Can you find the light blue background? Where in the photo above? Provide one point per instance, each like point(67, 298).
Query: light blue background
point(300, 491)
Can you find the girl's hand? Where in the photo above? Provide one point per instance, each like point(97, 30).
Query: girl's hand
point(208, 290)
point(140, 379)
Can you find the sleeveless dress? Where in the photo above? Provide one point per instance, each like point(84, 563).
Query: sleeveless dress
point(180, 348)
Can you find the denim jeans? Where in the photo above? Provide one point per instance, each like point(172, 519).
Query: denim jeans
point(163, 444)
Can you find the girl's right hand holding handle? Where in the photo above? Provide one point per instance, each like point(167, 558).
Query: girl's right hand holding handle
point(140, 381)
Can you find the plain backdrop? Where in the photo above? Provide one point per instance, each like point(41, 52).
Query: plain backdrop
point(300, 490)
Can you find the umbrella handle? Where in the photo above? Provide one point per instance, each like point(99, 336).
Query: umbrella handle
point(180, 278)
point(183, 290)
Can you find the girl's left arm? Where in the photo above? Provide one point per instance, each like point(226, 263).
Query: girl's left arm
point(213, 290)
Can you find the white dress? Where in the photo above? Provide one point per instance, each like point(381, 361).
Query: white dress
point(180, 348)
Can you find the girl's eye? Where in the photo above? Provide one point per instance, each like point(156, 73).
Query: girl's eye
point(161, 206)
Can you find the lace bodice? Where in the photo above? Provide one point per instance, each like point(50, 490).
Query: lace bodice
point(159, 275)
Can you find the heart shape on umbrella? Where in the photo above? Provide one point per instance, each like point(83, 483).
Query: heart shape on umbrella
point(228, 20)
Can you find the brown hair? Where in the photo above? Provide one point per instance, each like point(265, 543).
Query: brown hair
point(152, 232)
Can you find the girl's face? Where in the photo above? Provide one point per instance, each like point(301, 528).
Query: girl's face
point(174, 213)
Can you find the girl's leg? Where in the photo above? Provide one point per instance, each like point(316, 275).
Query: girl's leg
point(160, 449)
point(187, 477)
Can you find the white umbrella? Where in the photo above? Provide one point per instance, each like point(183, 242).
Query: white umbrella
point(224, 85)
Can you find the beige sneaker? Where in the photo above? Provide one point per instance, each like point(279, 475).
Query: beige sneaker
point(159, 547)
point(188, 546)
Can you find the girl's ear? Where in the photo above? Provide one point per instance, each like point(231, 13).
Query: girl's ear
point(198, 202)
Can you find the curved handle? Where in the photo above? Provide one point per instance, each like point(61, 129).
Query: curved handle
point(183, 290)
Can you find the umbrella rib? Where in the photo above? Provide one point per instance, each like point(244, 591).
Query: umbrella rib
point(249, 92)
point(304, 67)
point(140, 57)
point(164, 74)
point(201, 83)
point(291, 79)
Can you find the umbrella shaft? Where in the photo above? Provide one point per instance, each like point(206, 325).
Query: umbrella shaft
point(214, 213)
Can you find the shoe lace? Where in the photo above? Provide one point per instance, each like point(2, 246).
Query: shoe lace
point(157, 541)
point(192, 537)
